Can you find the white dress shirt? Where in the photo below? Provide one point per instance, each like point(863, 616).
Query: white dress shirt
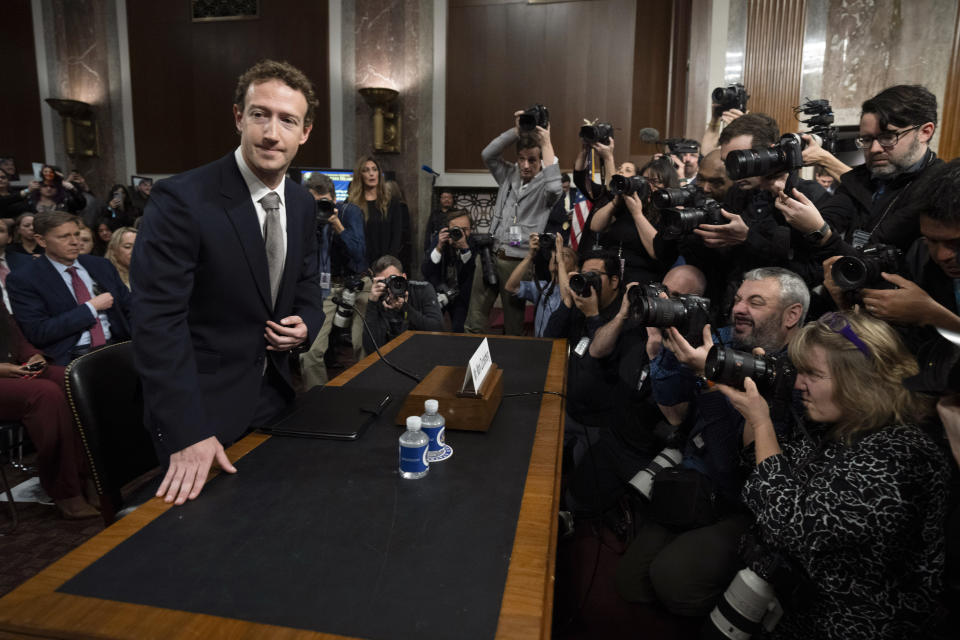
point(88, 282)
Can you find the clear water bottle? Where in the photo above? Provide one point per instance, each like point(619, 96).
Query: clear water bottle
point(413, 451)
point(434, 425)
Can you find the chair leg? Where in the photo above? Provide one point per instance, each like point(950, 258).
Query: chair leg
point(14, 516)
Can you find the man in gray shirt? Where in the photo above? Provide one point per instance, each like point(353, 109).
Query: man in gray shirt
point(528, 189)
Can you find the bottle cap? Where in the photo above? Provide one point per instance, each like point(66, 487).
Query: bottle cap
point(431, 406)
point(413, 423)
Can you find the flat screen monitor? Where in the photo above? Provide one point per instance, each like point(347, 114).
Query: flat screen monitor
point(341, 178)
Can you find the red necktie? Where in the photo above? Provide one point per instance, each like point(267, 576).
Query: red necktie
point(97, 339)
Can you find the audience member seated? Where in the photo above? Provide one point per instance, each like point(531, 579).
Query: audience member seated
point(449, 265)
point(101, 237)
point(701, 509)
point(342, 259)
point(12, 203)
point(67, 304)
point(437, 220)
point(543, 294)
point(854, 504)
point(86, 240)
point(397, 304)
point(528, 188)
point(119, 251)
point(9, 260)
point(120, 210)
point(56, 195)
point(24, 239)
point(32, 392)
point(9, 169)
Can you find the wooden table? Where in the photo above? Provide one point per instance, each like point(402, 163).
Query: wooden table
point(36, 609)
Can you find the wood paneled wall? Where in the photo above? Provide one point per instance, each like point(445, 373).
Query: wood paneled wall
point(183, 76)
point(651, 74)
point(774, 58)
point(21, 132)
point(949, 147)
point(574, 57)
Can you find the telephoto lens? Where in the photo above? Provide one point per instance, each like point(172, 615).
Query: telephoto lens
point(731, 367)
point(748, 604)
point(675, 197)
point(624, 186)
point(325, 209)
point(455, 233)
point(784, 156)
point(396, 285)
point(688, 313)
point(676, 223)
point(484, 244)
point(583, 283)
point(852, 273)
point(643, 480)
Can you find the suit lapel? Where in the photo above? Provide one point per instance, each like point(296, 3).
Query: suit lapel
point(291, 266)
point(243, 217)
point(53, 282)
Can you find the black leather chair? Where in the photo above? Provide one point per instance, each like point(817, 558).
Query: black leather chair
point(106, 399)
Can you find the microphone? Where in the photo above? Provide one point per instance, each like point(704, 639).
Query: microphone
point(429, 170)
point(651, 135)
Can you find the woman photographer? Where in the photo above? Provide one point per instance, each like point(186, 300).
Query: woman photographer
point(627, 224)
point(856, 502)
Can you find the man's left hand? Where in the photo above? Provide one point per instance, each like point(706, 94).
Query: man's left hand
point(395, 303)
point(589, 305)
point(799, 212)
point(907, 305)
point(290, 333)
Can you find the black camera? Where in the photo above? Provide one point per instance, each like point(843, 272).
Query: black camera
point(688, 313)
point(820, 122)
point(396, 286)
point(624, 186)
point(732, 96)
point(676, 223)
point(731, 367)
point(688, 196)
point(325, 209)
point(583, 283)
point(456, 233)
point(678, 146)
point(348, 297)
point(852, 273)
point(782, 157)
point(536, 116)
point(647, 290)
point(547, 241)
point(599, 132)
point(446, 295)
point(484, 244)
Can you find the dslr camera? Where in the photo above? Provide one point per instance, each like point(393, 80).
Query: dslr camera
point(688, 313)
point(396, 286)
point(862, 271)
point(771, 373)
point(456, 234)
point(583, 283)
point(732, 96)
point(782, 157)
point(624, 186)
point(484, 244)
point(345, 302)
point(697, 209)
point(599, 132)
point(446, 294)
point(536, 116)
point(325, 209)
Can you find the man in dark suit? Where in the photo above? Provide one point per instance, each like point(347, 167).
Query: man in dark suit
point(225, 283)
point(65, 303)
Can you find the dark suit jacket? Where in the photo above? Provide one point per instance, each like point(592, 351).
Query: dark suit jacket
point(49, 315)
point(16, 260)
point(201, 302)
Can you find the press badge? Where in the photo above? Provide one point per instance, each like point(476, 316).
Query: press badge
point(582, 346)
point(325, 280)
point(515, 236)
point(860, 238)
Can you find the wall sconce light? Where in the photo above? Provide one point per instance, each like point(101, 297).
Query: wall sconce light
point(80, 131)
point(386, 120)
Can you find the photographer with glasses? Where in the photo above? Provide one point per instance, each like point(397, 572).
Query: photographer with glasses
point(872, 202)
point(853, 505)
point(397, 304)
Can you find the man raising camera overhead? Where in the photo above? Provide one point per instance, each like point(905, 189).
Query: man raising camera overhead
point(528, 189)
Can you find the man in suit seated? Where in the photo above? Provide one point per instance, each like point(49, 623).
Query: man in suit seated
point(68, 304)
point(226, 284)
point(397, 304)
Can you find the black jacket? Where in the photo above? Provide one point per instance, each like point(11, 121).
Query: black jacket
point(421, 313)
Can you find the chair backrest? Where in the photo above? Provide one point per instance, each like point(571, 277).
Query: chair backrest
point(106, 398)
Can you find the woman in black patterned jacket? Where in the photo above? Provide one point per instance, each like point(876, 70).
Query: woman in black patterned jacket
point(859, 502)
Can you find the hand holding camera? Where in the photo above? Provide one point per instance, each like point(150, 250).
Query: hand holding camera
point(799, 212)
point(694, 357)
point(534, 244)
point(724, 235)
point(585, 290)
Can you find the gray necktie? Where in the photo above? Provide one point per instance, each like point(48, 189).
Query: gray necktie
point(273, 239)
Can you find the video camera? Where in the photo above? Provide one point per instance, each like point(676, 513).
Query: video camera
point(624, 186)
point(484, 244)
point(733, 96)
point(536, 116)
point(688, 313)
point(820, 122)
point(771, 373)
point(598, 132)
point(852, 273)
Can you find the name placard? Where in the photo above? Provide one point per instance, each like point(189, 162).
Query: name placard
point(477, 368)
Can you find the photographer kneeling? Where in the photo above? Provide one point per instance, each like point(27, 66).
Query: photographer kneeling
point(855, 504)
point(397, 304)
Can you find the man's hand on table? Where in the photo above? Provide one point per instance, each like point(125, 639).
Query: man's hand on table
point(189, 468)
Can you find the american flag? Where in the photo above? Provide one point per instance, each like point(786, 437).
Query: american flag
point(581, 210)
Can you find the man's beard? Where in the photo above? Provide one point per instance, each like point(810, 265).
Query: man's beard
point(765, 335)
point(893, 168)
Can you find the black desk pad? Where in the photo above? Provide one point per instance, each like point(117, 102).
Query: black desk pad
point(324, 535)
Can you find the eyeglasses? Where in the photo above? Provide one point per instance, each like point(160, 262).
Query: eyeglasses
point(838, 323)
point(887, 139)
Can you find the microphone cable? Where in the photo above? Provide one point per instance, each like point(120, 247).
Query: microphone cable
point(340, 303)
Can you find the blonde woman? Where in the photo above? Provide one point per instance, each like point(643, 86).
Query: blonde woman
point(119, 251)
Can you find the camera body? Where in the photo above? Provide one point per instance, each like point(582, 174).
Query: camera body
point(599, 132)
point(624, 186)
point(583, 283)
point(348, 297)
point(688, 313)
point(446, 294)
point(678, 146)
point(456, 234)
point(536, 116)
point(325, 209)
point(771, 373)
point(852, 273)
point(733, 96)
point(676, 223)
point(396, 286)
point(782, 157)
point(484, 243)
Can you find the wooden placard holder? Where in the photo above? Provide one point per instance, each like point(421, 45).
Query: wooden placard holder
point(465, 411)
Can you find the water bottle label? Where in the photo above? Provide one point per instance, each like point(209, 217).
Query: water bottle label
point(435, 434)
point(413, 459)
